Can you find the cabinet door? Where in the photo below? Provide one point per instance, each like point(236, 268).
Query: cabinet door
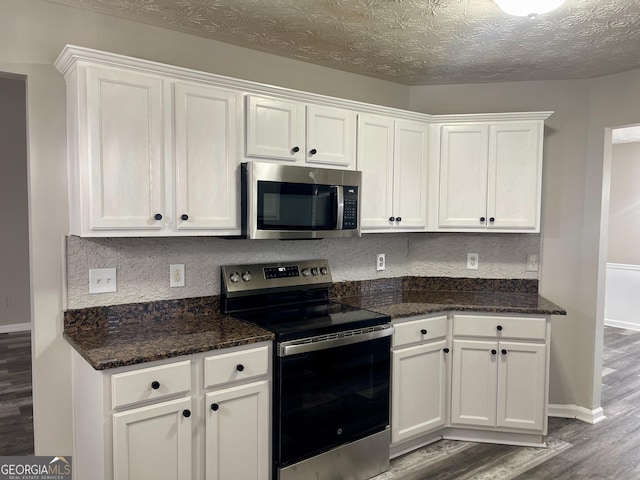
point(514, 175)
point(275, 129)
point(125, 150)
point(153, 442)
point(237, 433)
point(331, 137)
point(375, 160)
point(410, 174)
point(474, 383)
point(206, 160)
point(463, 176)
point(521, 385)
point(418, 390)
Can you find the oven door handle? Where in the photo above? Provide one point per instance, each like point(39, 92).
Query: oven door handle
point(323, 342)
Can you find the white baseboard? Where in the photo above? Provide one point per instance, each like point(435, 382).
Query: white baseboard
point(574, 411)
point(609, 322)
point(16, 327)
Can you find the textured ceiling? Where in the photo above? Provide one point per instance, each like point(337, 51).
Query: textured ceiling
point(414, 42)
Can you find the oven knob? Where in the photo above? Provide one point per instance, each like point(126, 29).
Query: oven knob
point(314, 271)
point(246, 276)
point(305, 272)
point(323, 270)
point(234, 277)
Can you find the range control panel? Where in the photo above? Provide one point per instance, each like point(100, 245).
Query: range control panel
point(251, 278)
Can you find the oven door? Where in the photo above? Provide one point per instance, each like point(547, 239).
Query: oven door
point(330, 391)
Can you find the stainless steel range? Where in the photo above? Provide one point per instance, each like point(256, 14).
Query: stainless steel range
point(331, 370)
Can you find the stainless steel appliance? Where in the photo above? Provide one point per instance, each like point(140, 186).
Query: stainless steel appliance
point(290, 202)
point(331, 370)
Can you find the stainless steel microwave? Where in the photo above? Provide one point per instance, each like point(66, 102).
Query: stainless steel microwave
point(290, 202)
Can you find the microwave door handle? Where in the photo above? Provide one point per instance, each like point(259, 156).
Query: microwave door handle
point(339, 206)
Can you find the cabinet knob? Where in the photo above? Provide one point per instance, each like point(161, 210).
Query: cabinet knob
point(184, 217)
point(240, 367)
point(423, 331)
point(504, 351)
point(155, 385)
point(499, 328)
point(398, 219)
point(492, 219)
point(392, 219)
point(445, 349)
point(493, 351)
point(482, 219)
point(313, 151)
point(215, 407)
point(295, 149)
point(186, 413)
point(158, 216)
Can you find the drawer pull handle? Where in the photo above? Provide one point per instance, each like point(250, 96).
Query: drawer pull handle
point(240, 367)
point(423, 331)
point(186, 413)
point(499, 328)
point(504, 352)
point(493, 351)
point(445, 350)
point(215, 407)
point(155, 385)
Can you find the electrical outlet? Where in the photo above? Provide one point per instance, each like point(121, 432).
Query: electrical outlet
point(176, 275)
point(380, 262)
point(472, 261)
point(532, 263)
point(102, 280)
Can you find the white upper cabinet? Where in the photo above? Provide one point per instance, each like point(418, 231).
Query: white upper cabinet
point(393, 158)
point(303, 134)
point(120, 142)
point(490, 176)
point(206, 158)
point(149, 156)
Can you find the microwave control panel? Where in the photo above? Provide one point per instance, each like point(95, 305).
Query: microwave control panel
point(350, 212)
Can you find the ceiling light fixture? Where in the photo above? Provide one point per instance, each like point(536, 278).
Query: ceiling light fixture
point(528, 8)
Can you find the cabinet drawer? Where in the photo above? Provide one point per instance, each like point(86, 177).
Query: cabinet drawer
point(235, 366)
point(150, 383)
point(412, 331)
point(500, 327)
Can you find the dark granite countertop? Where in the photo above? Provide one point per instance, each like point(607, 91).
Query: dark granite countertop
point(110, 337)
point(408, 303)
point(119, 335)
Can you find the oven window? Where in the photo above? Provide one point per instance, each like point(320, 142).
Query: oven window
point(331, 397)
point(296, 206)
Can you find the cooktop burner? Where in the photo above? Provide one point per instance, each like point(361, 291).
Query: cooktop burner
point(291, 299)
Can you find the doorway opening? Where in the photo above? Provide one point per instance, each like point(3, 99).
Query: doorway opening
point(16, 393)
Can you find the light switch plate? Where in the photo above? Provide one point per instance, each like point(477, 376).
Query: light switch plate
point(102, 280)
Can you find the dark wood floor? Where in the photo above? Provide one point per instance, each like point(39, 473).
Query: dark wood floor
point(577, 450)
point(16, 400)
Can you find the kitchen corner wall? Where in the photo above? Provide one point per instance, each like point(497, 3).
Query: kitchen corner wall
point(142, 264)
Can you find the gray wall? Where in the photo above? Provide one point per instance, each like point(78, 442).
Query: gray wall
point(624, 205)
point(14, 215)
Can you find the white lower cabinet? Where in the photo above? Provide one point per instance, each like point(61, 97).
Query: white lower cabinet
point(499, 381)
point(419, 377)
point(237, 432)
point(204, 417)
point(153, 442)
point(469, 377)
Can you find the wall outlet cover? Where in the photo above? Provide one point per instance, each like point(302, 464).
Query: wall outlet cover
point(102, 280)
point(472, 261)
point(176, 275)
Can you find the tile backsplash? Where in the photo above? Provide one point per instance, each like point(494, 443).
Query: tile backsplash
point(142, 264)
